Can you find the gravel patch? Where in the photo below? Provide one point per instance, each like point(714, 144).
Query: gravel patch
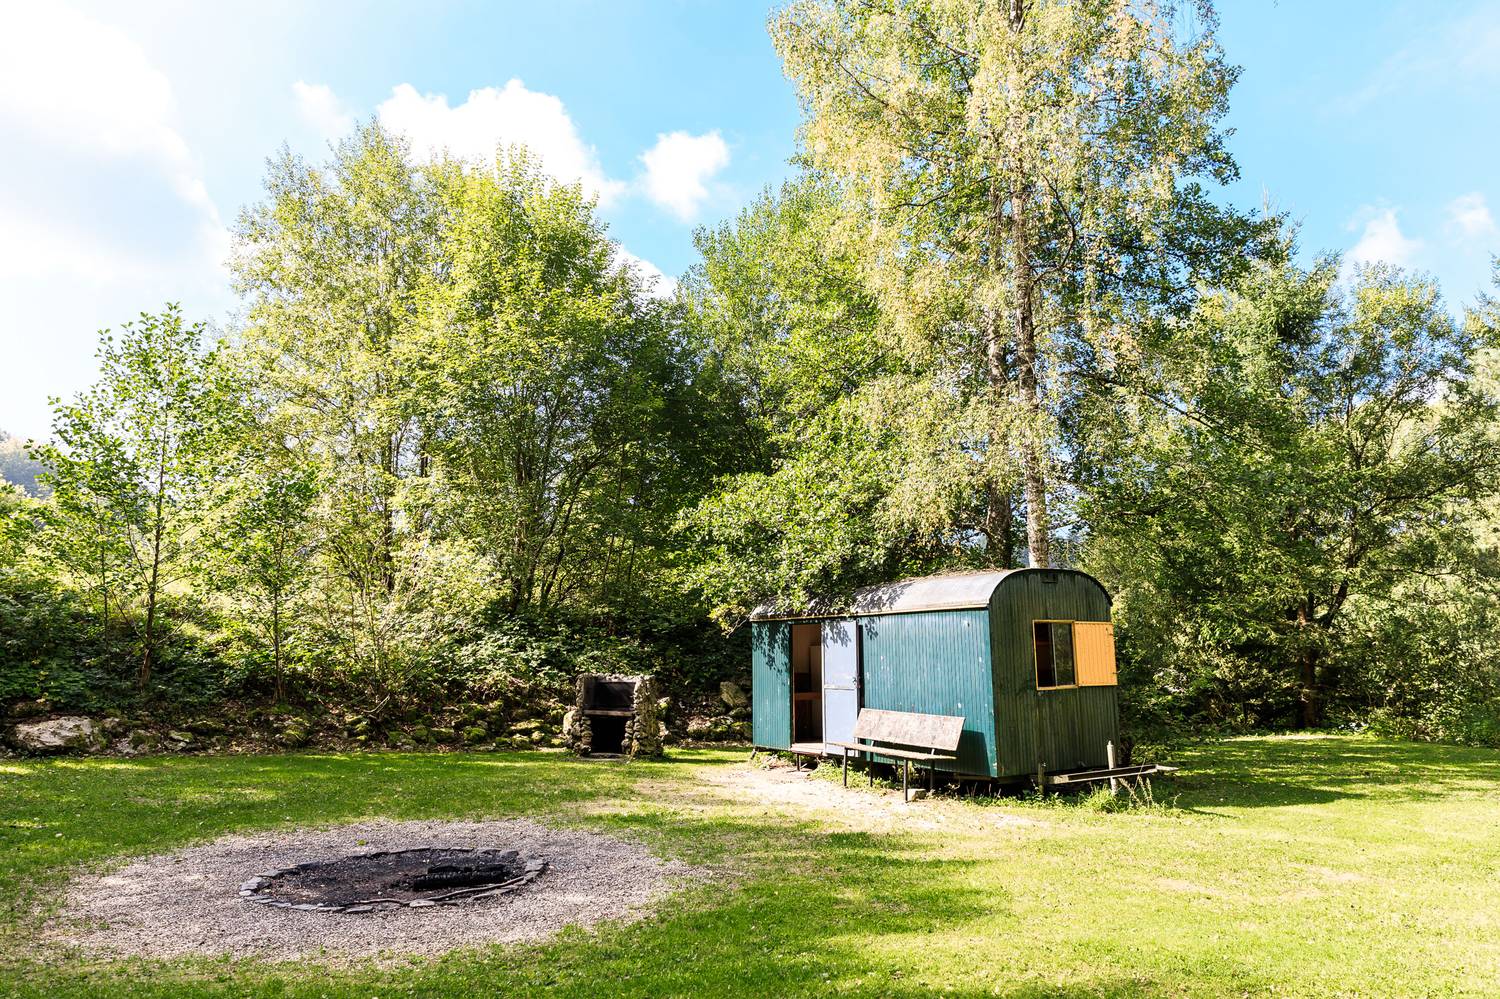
point(189, 903)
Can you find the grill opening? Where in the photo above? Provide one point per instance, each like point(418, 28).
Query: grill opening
point(615, 715)
point(609, 734)
point(612, 695)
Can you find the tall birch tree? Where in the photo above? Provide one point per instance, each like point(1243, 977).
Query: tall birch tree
point(1027, 185)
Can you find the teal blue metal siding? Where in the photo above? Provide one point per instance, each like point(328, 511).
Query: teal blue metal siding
point(1058, 729)
point(935, 662)
point(771, 683)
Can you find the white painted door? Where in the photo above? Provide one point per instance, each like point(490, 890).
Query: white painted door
point(840, 680)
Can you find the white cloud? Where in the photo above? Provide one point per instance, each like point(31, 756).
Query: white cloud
point(321, 108)
point(1470, 215)
point(1381, 240)
point(658, 285)
point(678, 169)
point(103, 207)
point(37, 249)
point(491, 118)
point(1446, 55)
point(87, 85)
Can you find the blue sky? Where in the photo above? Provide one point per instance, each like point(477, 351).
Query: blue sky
point(133, 133)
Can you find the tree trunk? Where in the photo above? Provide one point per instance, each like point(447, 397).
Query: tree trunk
point(999, 525)
point(1000, 510)
point(1309, 702)
point(149, 645)
point(280, 694)
point(1309, 706)
point(1023, 292)
point(388, 458)
point(154, 581)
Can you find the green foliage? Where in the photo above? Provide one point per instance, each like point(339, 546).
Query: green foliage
point(1340, 434)
point(455, 449)
point(262, 552)
point(332, 262)
point(544, 383)
point(1025, 189)
point(507, 652)
point(858, 465)
point(54, 649)
point(132, 470)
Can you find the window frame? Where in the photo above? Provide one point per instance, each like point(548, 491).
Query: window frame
point(1036, 673)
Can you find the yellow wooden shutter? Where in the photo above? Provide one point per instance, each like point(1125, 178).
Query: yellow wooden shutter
point(1094, 647)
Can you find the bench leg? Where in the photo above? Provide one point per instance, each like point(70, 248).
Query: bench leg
point(870, 770)
point(905, 775)
point(931, 776)
point(846, 768)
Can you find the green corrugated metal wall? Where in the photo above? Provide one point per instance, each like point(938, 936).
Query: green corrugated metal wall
point(771, 684)
point(974, 663)
point(1060, 729)
point(935, 662)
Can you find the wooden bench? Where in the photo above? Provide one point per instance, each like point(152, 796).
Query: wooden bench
point(907, 736)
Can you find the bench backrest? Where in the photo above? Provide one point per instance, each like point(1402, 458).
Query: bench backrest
point(909, 728)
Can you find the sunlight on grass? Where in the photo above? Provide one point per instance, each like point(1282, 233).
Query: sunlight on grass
point(1277, 863)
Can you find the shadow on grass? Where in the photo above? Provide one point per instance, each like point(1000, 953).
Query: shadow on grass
point(812, 913)
point(1315, 769)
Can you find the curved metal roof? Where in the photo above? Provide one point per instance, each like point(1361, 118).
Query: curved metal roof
point(949, 591)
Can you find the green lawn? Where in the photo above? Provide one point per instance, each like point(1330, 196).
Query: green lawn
point(1289, 866)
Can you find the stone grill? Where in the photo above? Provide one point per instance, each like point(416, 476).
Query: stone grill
point(614, 715)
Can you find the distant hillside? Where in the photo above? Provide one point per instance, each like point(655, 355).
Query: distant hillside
point(17, 467)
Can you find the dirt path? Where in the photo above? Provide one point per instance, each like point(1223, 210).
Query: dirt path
point(781, 788)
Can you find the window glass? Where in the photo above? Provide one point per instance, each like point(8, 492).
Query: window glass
point(1054, 654)
point(1062, 654)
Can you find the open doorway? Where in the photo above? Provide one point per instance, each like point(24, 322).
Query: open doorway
point(807, 683)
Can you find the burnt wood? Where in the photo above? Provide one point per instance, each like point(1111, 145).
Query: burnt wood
point(1115, 773)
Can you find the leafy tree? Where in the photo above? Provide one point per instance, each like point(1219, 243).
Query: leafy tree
point(1026, 181)
point(1308, 451)
point(546, 380)
point(134, 464)
point(264, 552)
point(861, 461)
point(784, 325)
point(331, 262)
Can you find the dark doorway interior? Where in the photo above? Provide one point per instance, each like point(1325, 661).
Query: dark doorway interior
point(807, 683)
point(607, 734)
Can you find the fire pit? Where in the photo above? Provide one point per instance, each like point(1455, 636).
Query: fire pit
point(414, 879)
